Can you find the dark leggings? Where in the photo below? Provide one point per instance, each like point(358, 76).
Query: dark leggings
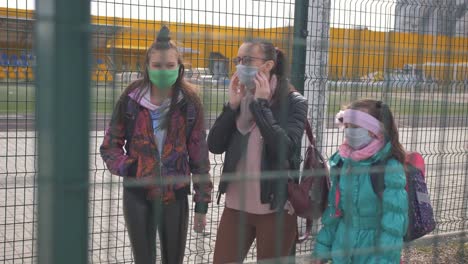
point(143, 217)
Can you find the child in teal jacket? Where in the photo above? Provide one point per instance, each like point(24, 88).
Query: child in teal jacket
point(360, 226)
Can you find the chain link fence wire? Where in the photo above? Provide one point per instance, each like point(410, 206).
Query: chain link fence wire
point(413, 55)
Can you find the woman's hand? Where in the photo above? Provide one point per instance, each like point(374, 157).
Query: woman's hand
point(262, 85)
point(236, 92)
point(199, 222)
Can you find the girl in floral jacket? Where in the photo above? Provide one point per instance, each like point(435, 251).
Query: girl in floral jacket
point(156, 139)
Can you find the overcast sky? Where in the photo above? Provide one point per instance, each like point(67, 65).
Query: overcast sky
point(373, 14)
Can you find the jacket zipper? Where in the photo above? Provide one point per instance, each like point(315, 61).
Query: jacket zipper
point(155, 147)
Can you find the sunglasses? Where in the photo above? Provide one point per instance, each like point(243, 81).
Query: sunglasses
point(246, 60)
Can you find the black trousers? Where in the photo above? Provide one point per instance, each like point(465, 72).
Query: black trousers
point(143, 217)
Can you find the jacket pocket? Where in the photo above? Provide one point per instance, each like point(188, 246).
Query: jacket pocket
point(129, 168)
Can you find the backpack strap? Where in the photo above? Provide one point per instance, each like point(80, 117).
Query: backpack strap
point(377, 180)
point(131, 111)
point(338, 211)
point(339, 165)
point(190, 120)
point(310, 134)
point(308, 127)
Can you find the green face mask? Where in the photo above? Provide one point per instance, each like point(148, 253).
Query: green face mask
point(163, 79)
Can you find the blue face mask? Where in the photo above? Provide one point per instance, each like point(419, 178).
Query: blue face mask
point(357, 138)
point(246, 75)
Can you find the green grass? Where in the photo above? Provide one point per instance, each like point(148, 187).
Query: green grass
point(104, 97)
point(401, 104)
point(365, 87)
point(19, 98)
point(213, 99)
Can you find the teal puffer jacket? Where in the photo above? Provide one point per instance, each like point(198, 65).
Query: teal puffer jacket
point(370, 229)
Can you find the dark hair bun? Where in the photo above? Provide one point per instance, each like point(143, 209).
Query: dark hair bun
point(163, 35)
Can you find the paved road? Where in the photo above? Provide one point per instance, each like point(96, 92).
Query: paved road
point(445, 151)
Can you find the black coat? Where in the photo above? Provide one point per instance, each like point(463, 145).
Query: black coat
point(281, 126)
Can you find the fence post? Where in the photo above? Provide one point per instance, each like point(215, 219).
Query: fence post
point(301, 10)
point(62, 48)
point(317, 64)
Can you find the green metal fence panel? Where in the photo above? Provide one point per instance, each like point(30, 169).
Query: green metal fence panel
point(18, 187)
point(410, 54)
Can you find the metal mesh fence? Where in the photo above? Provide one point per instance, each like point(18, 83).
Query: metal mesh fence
point(411, 54)
point(17, 137)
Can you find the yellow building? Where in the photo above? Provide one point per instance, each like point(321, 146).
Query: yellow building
point(199, 44)
point(120, 44)
point(354, 53)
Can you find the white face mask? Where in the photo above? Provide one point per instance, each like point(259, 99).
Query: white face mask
point(357, 138)
point(246, 75)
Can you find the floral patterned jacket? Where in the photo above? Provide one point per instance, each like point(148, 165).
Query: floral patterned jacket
point(166, 175)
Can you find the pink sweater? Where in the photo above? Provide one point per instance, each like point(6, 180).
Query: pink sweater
point(244, 194)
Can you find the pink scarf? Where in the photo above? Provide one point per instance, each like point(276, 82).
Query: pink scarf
point(362, 154)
